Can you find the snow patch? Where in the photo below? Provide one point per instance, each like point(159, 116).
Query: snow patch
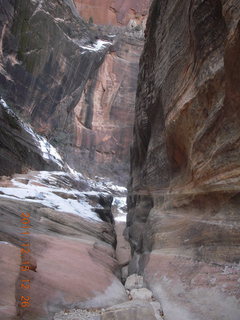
point(75, 174)
point(122, 218)
point(108, 186)
point(120, 204)
point(4, 104)
point(114, 187)
point(48, 193)
point(47, 150)
point(5, 242)
point(97, 46)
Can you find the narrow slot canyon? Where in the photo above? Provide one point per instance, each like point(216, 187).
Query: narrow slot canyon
point(119, 159)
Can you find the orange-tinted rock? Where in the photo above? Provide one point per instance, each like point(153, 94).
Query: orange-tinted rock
point(70, 272)
point(103, 117)
point(183, 219)
point(113, 12)
point(9, 270)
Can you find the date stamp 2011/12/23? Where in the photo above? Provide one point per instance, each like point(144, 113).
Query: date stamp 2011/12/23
point(25, 283)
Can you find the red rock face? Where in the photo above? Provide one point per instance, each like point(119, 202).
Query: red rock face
point(113, 12)
point(10, 260)
point(103, 117)
point(79, 95)
point(184, 197)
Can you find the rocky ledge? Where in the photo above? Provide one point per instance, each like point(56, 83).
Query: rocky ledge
point(58, 235)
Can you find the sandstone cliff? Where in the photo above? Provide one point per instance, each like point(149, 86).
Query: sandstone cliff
point(113, 12)
point(103, 117)
point(47, 55)
point(183, 220)
point(68, 79)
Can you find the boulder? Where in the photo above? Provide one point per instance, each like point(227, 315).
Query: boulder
point(133, 310)
point(141, 294)
point(158, 311)
point(134, 282)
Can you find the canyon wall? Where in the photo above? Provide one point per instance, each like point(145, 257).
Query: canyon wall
point(183, 220)
point(74, 81)
point(113, 12)
point(21, 149)
point(103, 117)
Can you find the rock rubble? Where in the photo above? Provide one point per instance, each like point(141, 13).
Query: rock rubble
point(78, 314)
point(141, 305)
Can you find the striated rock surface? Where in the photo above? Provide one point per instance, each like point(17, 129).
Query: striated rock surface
point(103, 117)
point(21, 148)
point(55, 247)
point(73, 81)
point(47, 55)
point(183, 220)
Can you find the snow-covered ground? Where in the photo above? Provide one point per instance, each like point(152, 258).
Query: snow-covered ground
point(44, 187)
point(120, 203)
point(55, 189)
point(5, 242)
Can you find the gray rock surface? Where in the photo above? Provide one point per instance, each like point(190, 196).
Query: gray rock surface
point(21, 148)
point(77, 314)
point(134, 281)
point(134, 310)
point(141, 294)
